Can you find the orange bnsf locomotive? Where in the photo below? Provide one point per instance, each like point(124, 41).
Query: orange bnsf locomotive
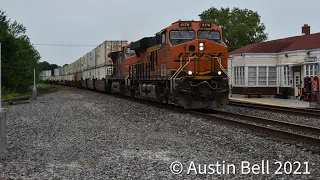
point(184, 64)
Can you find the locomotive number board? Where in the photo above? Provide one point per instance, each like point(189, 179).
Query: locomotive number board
point(206, 25)
point(185, 24)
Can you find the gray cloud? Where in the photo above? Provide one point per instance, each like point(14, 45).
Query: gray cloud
point(92, 22)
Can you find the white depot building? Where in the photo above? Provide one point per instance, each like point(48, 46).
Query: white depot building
point(277, 66)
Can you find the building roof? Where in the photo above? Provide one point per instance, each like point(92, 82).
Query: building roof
point(304, 42)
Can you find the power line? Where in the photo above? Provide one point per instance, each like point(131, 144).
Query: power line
point(70, 45)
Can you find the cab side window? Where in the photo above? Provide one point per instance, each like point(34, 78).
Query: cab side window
point(130, 52)
point(163, 38)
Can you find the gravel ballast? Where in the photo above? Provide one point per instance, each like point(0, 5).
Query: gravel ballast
point(81, 134)
point(285, 117)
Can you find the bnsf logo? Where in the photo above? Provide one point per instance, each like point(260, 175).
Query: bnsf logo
point(200, 55)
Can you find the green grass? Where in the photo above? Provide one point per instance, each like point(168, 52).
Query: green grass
point(8, 95)
point(46, 88)
point(41, 88)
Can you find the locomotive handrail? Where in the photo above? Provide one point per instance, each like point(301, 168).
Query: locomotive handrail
point(171, 84)
point(221, 67)
point(172, 80)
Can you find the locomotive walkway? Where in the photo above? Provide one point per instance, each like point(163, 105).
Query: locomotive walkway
point(83, 134)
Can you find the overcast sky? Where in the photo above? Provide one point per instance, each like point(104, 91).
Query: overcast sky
point(84, 22)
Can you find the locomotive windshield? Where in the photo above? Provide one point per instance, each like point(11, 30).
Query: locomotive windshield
point(211, 35)
point(178, 37)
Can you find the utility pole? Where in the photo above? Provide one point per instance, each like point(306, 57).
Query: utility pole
point(3, 122)
point(34, 90)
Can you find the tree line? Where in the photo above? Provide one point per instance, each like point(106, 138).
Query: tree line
point(19, 57)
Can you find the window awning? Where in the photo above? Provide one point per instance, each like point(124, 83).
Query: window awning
point(291, 64)
point(298, 64)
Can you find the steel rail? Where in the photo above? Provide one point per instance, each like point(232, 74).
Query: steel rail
point(281, 109)
point(260, 128)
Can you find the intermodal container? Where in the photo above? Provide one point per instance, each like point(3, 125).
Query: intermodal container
point(79, 76)
point(85, 75)
point(105, 48)
point(100, 72)
point(56, 72)
point(92, 59)
point(48, 73)
point(64, 71)
point(78, 65)
point(91, 73)
point(84, 63)
point(60, 71)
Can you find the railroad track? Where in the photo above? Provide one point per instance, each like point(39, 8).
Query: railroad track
point(296, 111)
point(277, 129)
point(296, 132)
point(16, 100)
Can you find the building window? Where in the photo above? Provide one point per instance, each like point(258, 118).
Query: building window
point(272, 76)
point(286, 76)
point(262, 78)
point(252, 76)
point(311, 70)
point(239, 75)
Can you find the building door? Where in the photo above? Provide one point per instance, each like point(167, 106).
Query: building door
point(296, 83)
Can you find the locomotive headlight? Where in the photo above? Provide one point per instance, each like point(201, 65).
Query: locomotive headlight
point(219, 73)
point(201, 46)
point(189, 73)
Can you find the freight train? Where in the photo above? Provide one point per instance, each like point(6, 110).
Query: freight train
point(184, 64)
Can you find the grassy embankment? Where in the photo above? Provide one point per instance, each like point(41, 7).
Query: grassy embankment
point(41, 88)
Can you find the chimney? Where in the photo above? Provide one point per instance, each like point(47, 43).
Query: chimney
point(306, 29)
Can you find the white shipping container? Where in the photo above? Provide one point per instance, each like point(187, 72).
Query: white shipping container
point(100, 72)
point(65, 70)
point(48, 73)
point(91, 73)
point(100, 55)
point(70, 69)
point(92, 59)
point(73, 65)
point(70, 77)
point(88, 74)
point(56, 72)
point(105, 48)
point(60, 71)
point(78, 65)
point(85, 62)
point(85, 75)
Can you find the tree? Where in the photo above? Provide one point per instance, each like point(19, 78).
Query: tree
point(18, 56)
point(47, 66)
point(240, 27)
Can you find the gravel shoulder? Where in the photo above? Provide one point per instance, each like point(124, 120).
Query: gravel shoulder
point(81, 134)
